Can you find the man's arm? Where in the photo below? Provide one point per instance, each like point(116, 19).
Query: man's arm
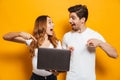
point(111, 51)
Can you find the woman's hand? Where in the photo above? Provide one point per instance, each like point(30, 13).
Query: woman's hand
point(27, 36)
point(55, 72)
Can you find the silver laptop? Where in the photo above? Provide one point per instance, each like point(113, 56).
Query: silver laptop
point(53, 59)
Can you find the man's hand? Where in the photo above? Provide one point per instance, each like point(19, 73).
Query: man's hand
point(70, 48)
point(93, 43)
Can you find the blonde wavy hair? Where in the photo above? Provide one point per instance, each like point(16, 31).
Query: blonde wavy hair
point(39, 32)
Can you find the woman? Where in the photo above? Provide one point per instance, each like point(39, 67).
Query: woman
point(43, 36)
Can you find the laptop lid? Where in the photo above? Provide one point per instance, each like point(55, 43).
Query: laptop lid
point(53, 59)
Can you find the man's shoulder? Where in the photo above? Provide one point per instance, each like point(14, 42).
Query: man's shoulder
point(94, 33)
point(68, 33)
point(91, 31)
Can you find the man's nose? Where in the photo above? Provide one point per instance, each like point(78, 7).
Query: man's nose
point(70, 20)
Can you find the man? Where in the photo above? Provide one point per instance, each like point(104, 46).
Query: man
point(82, 41)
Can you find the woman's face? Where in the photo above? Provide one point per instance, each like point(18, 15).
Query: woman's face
point(50, 26)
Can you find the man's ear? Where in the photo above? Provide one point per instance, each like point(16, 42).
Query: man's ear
point(83, 19)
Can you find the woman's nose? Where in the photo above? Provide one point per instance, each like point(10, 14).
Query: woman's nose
point(53, 25)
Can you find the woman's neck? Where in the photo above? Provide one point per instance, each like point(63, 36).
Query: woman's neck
point(46, 42)
point(46, 37)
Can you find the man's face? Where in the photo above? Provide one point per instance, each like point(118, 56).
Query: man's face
point(75, 21)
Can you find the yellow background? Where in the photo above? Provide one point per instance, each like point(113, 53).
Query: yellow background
point(19, 15)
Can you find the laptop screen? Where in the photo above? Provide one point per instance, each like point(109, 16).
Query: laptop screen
point(53, 59)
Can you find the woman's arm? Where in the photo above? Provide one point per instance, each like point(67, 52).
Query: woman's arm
point(10, 36)
point(20, 37)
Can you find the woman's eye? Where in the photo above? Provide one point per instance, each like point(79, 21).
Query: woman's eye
point(50, 22)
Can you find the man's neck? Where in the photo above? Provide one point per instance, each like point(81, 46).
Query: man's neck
point(82, 29)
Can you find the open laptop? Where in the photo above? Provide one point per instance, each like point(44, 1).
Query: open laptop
point(53, 59)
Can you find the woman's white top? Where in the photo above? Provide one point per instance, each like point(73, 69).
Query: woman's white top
point(40, 72)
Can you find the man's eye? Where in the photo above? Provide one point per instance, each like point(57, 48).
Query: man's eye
point(73, 18)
